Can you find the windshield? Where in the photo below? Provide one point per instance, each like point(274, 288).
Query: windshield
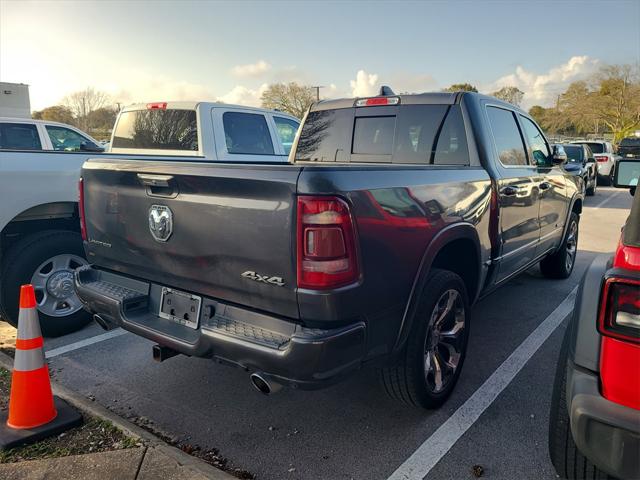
point(157, 130)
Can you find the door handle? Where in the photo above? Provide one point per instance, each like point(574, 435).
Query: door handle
point(545, 186)
point(155, 180)
point(509, 191)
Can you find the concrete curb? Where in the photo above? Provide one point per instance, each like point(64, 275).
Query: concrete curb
point(93, 408)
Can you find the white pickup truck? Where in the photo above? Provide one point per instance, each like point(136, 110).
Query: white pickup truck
point(39, 230)
point(206, 131)
point(40, 239)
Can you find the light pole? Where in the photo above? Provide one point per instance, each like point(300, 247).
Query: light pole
point(318, 87)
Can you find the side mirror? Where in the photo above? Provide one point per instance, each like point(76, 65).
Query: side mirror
point(558, 156)
point(591, 160)
point(627, 174)
point(90, 147)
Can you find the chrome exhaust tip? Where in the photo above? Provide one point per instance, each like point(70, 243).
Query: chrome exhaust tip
point(106, 325)
point(263, 385)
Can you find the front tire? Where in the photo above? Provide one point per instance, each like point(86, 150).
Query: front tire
point(46, 260)
point(591, 191)
point(560, 264)
point(430, 365)
point(565, 456)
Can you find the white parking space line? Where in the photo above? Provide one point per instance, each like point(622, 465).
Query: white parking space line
point(420, 463)
point(606, 200)
point(84, 343)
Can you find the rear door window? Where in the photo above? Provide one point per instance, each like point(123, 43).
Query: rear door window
point(247, 133)
point(511, 150)
point(286, 129)
point(157, 129)
point(19, 136)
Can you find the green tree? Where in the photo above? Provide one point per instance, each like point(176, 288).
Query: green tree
point(461, 87)
point(290, 97)
point(56, 113)
point(616, 101)
point(512, 95)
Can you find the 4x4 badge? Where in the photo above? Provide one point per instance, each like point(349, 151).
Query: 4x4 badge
point(160, 222)
point(264, 278)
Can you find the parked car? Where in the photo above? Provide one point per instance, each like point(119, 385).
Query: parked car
point(629, 147)
point(606, 158)
point(208, 131)
point(594, 425)
point(396, 213)
point(40, 239)
point(580, 162)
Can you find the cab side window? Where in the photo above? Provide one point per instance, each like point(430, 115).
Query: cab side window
point(452, 142)
point(538, 149)
point(19, 136)
point(65, 139)
point(286, 129)
point(509, 143)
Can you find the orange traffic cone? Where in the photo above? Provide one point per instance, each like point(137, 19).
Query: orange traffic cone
point(31, 401)
point(34, 413)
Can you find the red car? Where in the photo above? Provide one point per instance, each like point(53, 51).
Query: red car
point(594, 426)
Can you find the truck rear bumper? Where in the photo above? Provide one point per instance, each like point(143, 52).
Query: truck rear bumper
point(282, 351)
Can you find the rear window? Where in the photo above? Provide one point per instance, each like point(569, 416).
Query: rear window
point(247, 133)
point(596, 147)
point(157, 130)
point(574, 153)
point(630, 142)
point(19, 136)
point(422, 134)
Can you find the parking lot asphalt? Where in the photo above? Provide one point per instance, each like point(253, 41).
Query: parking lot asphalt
point(352, 430)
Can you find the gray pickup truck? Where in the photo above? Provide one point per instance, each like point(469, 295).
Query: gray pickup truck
point(394, 215)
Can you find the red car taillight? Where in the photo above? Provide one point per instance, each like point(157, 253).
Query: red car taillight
point(83, 222)
point(326, 243)
point(601, 158)
point(620, 309)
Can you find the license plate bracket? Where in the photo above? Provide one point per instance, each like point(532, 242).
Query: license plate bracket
point(180, 307)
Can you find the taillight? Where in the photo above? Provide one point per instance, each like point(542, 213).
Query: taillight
point(83, 222)
point(601, 158)
point(620, 309)
point(326, 243)
point(157, 106)
point(376, 101)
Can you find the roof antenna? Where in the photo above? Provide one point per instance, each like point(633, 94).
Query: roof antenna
point(385, 91)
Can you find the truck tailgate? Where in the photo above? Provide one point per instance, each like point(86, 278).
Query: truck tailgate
point(227, 220)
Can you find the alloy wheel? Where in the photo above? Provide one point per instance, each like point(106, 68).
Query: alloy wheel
point(444, 341)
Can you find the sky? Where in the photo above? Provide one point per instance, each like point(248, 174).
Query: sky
point(143, 51)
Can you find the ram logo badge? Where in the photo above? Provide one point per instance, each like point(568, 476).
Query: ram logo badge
point(160, 222)
point(264, 278)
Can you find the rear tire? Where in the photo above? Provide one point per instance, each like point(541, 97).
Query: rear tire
point(565, 456)
point(25, 260)
point(560, 264)
point(430, 365)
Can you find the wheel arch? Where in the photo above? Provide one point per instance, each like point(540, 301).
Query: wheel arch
point(46, 216)
point(461, 239)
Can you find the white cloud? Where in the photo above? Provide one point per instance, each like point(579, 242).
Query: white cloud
point(543, 89)
point(251, 69)
point(365, 84)
point(241, 95)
